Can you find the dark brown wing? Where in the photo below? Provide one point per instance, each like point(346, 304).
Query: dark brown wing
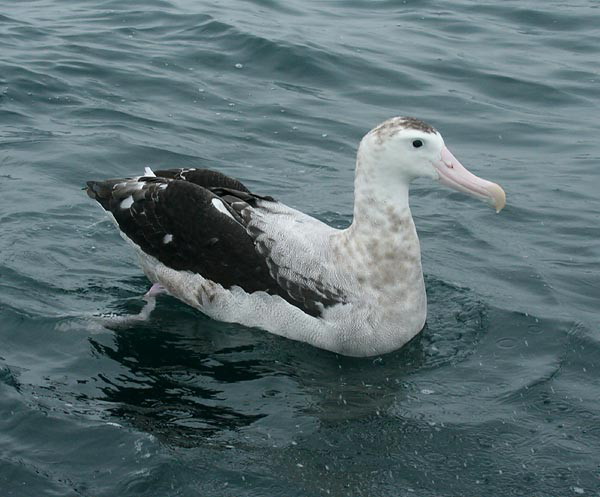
point(191, 220)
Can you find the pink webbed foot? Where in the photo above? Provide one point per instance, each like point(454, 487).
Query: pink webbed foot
point(114, 321)
point(155, 290)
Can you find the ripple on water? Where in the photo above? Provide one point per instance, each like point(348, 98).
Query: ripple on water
point(497, 396)
point(456, 320)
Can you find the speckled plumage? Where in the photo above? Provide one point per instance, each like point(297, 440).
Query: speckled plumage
point(240, 257)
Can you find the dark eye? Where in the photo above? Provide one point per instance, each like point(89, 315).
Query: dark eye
point(417, 143)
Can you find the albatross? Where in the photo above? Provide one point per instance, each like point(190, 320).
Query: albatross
point(241, 257)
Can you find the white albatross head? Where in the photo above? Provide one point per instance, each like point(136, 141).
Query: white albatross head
point(404, 148)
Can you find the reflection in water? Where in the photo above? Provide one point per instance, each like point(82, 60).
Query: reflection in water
point(481, 388)
point(185, 377)
point(174, 386)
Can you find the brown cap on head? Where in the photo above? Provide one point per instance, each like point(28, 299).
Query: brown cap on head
point(395, 124)
point(414, 123)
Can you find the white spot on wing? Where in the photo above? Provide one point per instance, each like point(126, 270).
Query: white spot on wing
point(149, 172)
point(218, 204)
point(127, 203)
point(168, 238)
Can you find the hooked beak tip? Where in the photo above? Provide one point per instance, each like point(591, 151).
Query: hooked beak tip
point(497, 196)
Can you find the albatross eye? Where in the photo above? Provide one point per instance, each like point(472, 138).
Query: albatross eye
point(417, 143)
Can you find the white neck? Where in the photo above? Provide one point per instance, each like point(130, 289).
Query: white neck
point(381, 252)
point(379, 207)
point(381, 244)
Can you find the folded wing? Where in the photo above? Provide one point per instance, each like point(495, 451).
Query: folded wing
point(202, 221)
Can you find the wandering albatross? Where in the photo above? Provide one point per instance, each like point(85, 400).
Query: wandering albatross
point(239, 257)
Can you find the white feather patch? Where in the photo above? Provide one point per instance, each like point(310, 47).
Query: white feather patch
point(149, 172)
point(168, 238)
point(126, 203)
point(217, 204)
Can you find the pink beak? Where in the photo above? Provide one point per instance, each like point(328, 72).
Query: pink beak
point(455, 175)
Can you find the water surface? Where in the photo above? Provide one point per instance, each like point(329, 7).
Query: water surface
point(499, 394)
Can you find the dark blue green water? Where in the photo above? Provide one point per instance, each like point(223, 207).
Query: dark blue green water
point(499, 396)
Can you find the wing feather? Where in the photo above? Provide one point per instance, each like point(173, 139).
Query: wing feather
point(297, 250)
point(264, 245)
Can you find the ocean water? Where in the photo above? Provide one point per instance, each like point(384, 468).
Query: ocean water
point(499, 395)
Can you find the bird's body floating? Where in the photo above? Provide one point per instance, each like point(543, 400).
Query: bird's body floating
point(241, 257)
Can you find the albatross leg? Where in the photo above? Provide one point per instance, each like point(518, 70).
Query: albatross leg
point(142, 316)
point(155, 290)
